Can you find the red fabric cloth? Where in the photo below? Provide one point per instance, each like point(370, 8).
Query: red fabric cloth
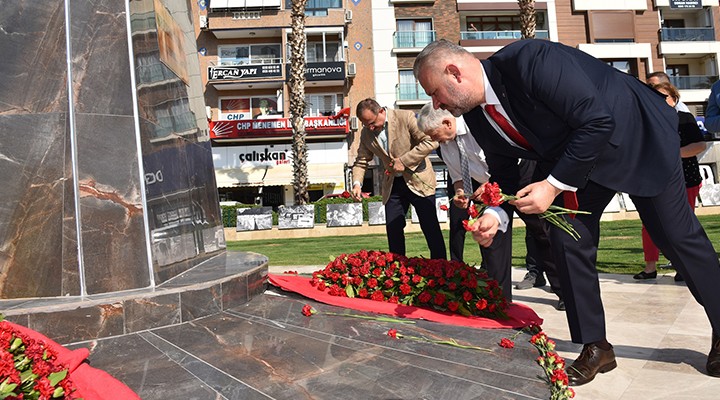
point(91, 383)
point(520, 315)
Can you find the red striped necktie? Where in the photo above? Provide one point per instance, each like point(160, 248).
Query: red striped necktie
point(503, 123)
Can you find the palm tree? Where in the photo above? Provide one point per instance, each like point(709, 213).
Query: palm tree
point(527, 18)
point(296, 83)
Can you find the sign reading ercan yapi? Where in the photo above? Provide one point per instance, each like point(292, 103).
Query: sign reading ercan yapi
point(233, 72)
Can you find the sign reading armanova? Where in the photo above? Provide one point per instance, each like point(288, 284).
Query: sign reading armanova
point(236, 72)
point(262, 128)
point(324, 71)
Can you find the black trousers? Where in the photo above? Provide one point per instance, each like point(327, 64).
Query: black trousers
point(672, 225)
point(497, 258)
point(396, 208)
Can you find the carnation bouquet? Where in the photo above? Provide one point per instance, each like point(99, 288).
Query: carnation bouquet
point(29, 368)
point(442, 285)
point(492, 196)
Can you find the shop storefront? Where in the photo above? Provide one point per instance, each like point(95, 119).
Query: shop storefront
point(262, 174)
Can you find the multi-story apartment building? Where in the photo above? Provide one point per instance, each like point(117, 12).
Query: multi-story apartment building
point(244, 49)
point(367, 48)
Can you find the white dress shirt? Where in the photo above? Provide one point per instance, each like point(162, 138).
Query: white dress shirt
point(476, 163)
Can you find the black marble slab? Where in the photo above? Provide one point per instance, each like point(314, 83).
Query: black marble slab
point(266, 349)
point(226, 280)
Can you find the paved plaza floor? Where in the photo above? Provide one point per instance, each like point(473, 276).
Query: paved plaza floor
point(268, 350)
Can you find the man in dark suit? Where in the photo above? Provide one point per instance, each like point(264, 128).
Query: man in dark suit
point(593, 131)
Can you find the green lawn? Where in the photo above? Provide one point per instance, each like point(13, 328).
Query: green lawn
point(620, 246)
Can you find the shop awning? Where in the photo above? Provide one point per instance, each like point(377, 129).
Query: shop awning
point(278, 175)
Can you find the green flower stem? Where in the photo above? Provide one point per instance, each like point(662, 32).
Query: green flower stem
point(382, 319)
point(450, 342)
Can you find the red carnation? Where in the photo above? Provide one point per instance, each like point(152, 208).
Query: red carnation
point(440, 299)
point(443, 207)
point(468, 225)
point(453, 306)
point(507, 343)
point(377, 296)
point(473, 211)
point(481, 304)
point(491, 195)
point(307, 310)
point(392, 333)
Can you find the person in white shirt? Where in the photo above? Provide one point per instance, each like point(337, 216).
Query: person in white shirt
point(452, 133)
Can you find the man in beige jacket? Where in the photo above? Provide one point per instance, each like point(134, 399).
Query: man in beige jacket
point(393, 136)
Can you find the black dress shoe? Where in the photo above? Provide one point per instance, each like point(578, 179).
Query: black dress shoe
point(560, 305)
point(645, 275)
point(591, 361)
point(713, 362)
point(678, 277)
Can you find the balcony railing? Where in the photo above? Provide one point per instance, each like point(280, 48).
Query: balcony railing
point(693, 81)
point(489, 35)
point(687, 34)
point(411, 91)
point(249, 61)
point(412, 39)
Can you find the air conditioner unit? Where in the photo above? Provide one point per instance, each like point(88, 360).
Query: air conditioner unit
point(203, 21)
point(354, 123)
point(351, 70)
point(348, 15)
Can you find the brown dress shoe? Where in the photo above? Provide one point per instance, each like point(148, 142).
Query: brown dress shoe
point(591, 361)
point(713, 362)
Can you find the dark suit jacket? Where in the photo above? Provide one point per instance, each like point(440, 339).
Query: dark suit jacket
point(584, 119)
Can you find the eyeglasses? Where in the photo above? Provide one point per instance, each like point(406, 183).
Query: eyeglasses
point(374, 124)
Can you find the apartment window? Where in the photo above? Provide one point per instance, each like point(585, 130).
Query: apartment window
point(317, 105)
point(624, 66)
point(673, 23)
point(612, 26)
point(317, 8)
point(500, 22)
point(677, 70)
point(249, 54)
point(409, 88)
point(414, 33)
point(239, 108)
point(323, 51)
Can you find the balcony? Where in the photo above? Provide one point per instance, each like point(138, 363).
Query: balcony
point(411, 93)
point(412, 40)
point(499, 35)
point(687, 34)
point(693, 81)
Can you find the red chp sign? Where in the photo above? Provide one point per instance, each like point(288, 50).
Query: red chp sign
point(316, 126)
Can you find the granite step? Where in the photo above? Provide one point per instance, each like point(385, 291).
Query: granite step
point(226, 280)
